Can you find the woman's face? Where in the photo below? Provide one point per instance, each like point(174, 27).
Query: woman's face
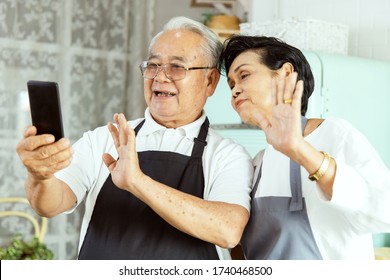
point(250, 82)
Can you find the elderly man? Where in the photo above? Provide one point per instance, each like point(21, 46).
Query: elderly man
point(162, 187)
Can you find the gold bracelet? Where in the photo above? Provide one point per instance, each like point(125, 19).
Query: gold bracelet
point(321, 171)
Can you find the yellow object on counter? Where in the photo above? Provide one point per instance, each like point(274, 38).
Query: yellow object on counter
point(382, 253)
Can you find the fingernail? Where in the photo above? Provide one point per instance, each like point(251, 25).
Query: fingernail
point(49, 139)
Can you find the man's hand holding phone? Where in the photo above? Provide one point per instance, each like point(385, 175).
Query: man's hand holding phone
point(41, 155)
point(43, 149)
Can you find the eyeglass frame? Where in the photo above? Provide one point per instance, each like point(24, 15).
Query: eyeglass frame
point(163, 67)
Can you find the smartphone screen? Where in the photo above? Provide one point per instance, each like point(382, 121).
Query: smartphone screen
point(45, 108)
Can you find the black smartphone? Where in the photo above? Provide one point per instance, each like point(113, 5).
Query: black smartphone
point(45, 108)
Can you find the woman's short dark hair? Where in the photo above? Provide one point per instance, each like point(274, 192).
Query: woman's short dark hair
point(273, 53)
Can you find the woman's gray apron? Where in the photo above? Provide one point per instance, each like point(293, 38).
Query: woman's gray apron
point(123, 227)
point(279, 228)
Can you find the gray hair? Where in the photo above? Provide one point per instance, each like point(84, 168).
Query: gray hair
point(212, 47)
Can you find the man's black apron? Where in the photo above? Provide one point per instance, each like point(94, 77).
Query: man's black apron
point(123, 227)
point(279, 228)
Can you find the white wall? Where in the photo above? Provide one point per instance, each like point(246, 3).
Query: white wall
point(368, 20)
point(165, 9)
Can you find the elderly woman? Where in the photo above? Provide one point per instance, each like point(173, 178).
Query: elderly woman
point(320, 188)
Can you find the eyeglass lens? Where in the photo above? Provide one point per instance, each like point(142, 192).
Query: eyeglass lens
point(172, 71)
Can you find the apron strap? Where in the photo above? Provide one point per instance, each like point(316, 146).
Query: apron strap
point(254, 189)
point(139, 127)
point(200, 141)
point(296, 203)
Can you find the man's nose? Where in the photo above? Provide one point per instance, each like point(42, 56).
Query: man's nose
point(161, 74)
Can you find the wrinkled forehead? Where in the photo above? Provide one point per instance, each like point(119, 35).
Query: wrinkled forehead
point(178, 45)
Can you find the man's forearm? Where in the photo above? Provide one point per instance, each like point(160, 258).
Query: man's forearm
point(216, 222)
point(49, 197)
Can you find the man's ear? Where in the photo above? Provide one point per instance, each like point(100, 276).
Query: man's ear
point(212, 81)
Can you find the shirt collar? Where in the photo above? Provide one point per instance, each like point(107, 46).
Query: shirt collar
point(190, 130)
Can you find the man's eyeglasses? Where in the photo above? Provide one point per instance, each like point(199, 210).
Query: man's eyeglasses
point(174, 72)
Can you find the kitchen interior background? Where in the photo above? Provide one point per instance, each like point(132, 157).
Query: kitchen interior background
point(368, 37)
